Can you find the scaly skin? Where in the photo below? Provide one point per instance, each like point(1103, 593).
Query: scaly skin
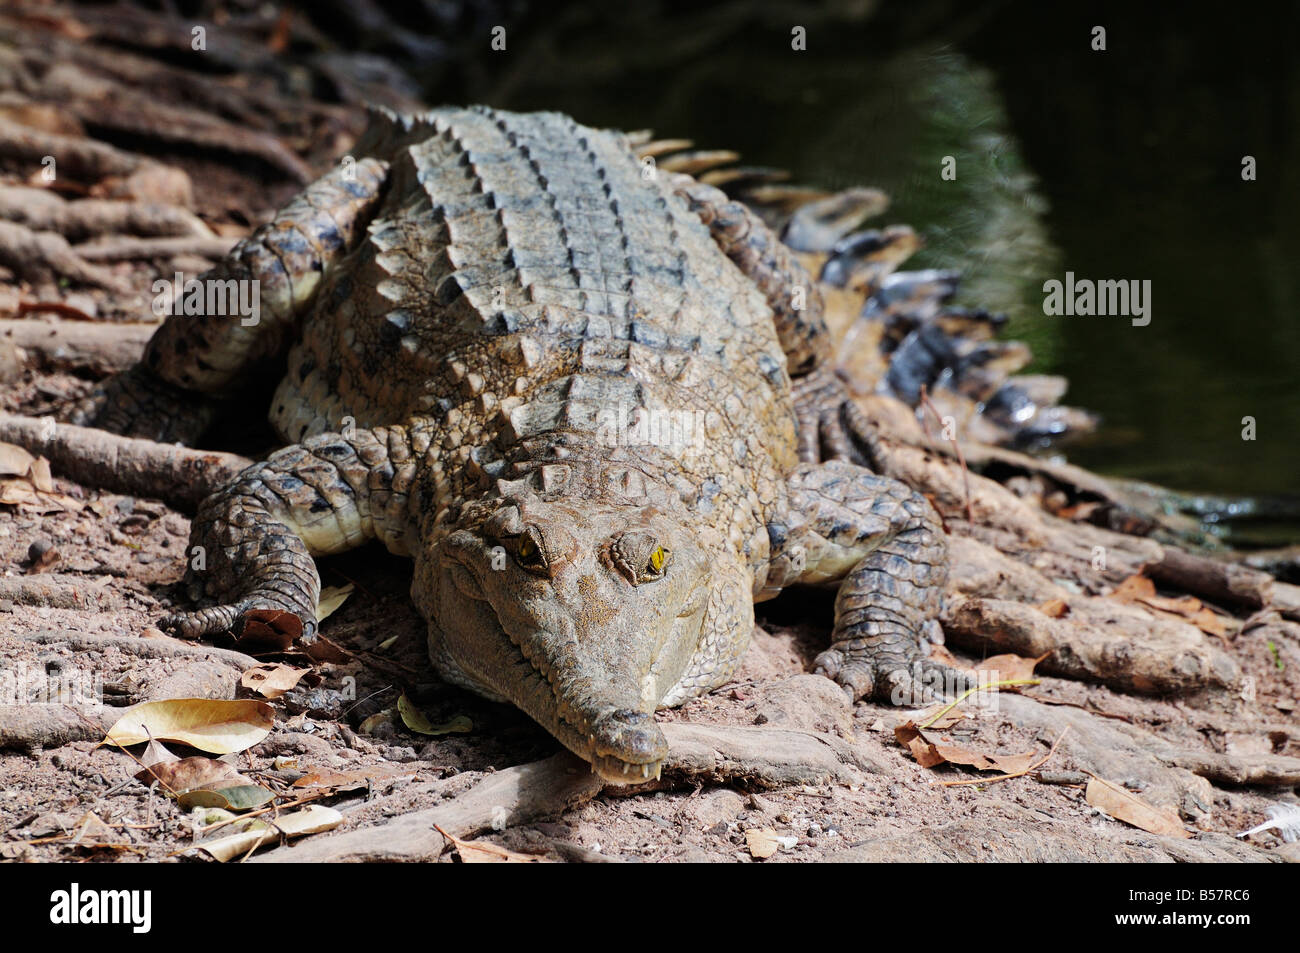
point(584, 400)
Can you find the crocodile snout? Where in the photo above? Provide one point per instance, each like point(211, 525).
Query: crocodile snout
point(627, 746)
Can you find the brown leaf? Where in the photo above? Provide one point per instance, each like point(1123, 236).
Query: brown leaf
point(40, 475)
point(1126, 806)
point(930, 753)
point(272, 680)
point(1009, 667)
point(14, 460)
point(268, 630)
point(1054, 608)
point(472, 852)
point(1139, 589)
point(940, 654)
point(923, 750)
point(189, 773)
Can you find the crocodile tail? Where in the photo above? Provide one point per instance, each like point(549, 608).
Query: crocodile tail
point(896, 332)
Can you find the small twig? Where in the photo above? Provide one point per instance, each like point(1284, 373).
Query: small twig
point(1004, 683)
point(1090, 710)
point(1018, 774)
point(52, 307)
point(961, 457)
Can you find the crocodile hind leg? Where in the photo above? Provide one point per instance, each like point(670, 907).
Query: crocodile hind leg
point(821, 398)
point(271, 277)
point(252, 543)
point(882, 545)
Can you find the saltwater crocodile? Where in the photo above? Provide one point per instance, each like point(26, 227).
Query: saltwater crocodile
point(595, 404)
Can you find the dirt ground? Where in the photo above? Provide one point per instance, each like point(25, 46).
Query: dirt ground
point(780, 768)
point(119, 559)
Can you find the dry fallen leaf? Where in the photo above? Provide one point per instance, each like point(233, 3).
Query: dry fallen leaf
point(14, 460)
point(272, 680)
point(416, 720)
point(1055, 608)
point(1139, 589)
point(930, 753)
point(372, 723)
point(234, 797)
point(212, 725)
point(763, 842)
point(331, 597)
point(268, 630)
point(472, 852)
point(1009, 668)
point(1126, 806)
point(188, 773)
point(312, 819)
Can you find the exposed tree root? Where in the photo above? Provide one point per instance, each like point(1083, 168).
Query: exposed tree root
point(70, 345)
point(45, 211)
point(711, 753)
point(123, 464)
point(46, 257)
point(118, 248)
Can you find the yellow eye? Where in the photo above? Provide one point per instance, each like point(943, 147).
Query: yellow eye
point(527, 548)
point(657, 560)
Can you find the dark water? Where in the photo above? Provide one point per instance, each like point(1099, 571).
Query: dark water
point(1122, 164)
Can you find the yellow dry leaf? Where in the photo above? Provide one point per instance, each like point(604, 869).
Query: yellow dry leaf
point(1126, 806)
point(312, 819)
point(418, 722)
point(209, 724)
point(331, 597)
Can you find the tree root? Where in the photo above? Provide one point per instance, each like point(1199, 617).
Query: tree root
point(697, 753)
point(159, 647)
point(118, 248)
point(44, 211)
point(1120, 646)
point(123, 464)
point(209, 673)
point(71, 345)
point(31, 727)
point(1253, 769)
point(46, 257)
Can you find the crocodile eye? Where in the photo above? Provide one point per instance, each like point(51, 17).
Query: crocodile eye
point(638, 557)
point(528, 553)
point(657, 560)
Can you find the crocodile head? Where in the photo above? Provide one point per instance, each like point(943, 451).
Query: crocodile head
point(589, 617)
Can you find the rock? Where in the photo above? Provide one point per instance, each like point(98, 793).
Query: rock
point(711, 808)
point(807, 702)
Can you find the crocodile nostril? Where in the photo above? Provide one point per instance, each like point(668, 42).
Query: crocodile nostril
point(631, 736)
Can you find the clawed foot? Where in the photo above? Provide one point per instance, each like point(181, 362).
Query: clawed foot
point(910, 682)
point(138, 403)
point(235, 618)
point(830, 425)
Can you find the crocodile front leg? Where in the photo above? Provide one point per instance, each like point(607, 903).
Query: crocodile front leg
point(193, 359)
point(256, 538)
point(883, 545)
